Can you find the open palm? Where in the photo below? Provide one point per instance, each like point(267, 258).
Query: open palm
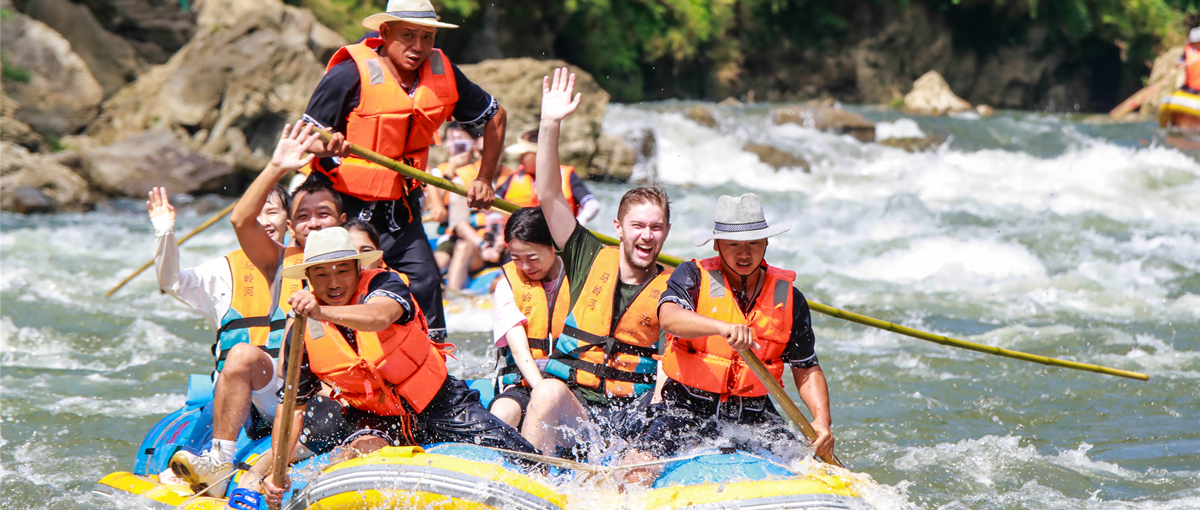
point(290, 153)
point(557, 101)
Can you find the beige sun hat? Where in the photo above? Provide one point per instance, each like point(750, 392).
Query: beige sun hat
point(739, 219)
point(329, 245)
point(522, 146)
point(417, 12)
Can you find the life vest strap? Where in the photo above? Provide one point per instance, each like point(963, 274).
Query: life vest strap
point(607, 373)
point(253, 322)
point(611, 345)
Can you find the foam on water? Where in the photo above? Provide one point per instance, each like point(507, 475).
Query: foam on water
point(1027, 231)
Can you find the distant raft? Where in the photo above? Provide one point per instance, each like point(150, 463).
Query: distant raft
point(1180, 109)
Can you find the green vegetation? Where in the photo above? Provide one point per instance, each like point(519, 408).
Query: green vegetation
point(702, 48)
point(14, 72)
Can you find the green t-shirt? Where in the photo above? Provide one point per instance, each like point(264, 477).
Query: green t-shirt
point(578, 256)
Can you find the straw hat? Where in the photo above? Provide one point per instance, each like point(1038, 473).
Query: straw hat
point(522, 146)
point(417, 12)
point(329, 245)
point(739, 219)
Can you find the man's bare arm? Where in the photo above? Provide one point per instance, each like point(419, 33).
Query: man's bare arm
point(288, 157)
point(557, 104)
point(481, 192)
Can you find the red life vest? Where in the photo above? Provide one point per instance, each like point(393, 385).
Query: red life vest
point(709, 363)
point(390, 122)
point(543, 322)
point(397, 364)
point(1191, 61)
point(618, 357)
point(523, 191)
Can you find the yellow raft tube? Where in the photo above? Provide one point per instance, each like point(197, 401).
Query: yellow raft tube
point(408, 477)
point(394, 477)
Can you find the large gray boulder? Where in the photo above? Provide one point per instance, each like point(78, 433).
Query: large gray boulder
point(827, 118)
point(517, 84)
point(155, 28)
point(111, 59)
point(134, 165)
point(56, 90)
point(228, 93)
point(35, 183)
point(931, 95)
point(627, 154)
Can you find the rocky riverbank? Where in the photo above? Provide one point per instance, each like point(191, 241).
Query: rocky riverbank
point(107, 98)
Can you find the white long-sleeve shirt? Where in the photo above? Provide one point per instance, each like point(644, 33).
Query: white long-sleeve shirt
point(208, 287)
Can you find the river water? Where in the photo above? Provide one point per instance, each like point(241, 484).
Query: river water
point(1029, 231)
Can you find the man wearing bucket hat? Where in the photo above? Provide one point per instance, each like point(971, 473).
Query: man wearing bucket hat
point(367, 339)
point(520, 187)
point(390, 94)
point(716, 306)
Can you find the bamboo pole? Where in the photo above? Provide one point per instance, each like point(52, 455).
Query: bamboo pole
point(785, 402)
point(208, 223)
point(283, 446)
point(506, 206)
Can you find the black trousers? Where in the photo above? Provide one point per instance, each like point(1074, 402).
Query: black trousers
point(454, 416)
point(686, 417)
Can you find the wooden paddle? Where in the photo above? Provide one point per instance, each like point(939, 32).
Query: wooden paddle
point(283, 450)
point(784, 401)
point(182, 240)
point(506, 206)
point(1133, 102)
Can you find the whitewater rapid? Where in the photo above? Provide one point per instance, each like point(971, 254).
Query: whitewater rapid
point(1029, 231)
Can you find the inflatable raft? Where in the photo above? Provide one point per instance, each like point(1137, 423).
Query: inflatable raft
point(468, 476)
point(1180, 109)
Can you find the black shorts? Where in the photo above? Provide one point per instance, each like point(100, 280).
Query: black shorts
point(687, 416)
point(454, 416)
point(518, 394)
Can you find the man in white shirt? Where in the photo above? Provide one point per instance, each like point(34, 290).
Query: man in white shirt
point(248, 310)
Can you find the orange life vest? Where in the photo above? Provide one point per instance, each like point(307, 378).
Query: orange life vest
point(1191, 61)
point(254, 315)
point(543, 320)
point(709, 363)
point(596, 351)
point(523, 192)
point(391, 367)
point(390, 122)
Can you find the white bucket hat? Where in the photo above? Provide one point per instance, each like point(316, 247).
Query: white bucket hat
point(739, 219)
point(1194, 35)
point(417, 12)
point(329, 245)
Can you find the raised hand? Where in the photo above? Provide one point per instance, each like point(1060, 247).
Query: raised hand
point(557, 102)
point(290, 153)
point(158, 205)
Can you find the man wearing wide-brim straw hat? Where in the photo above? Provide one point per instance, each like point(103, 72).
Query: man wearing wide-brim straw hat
point(520, 187)
point(366, 338)
point(390, 94)
point(716, 306)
